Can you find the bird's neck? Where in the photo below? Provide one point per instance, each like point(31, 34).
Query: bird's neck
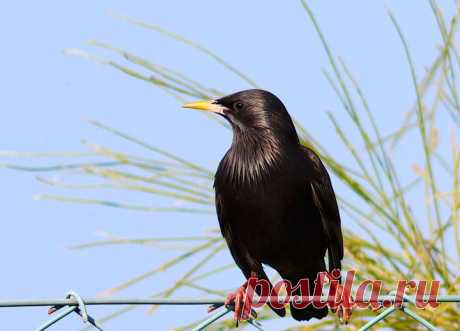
point(254, 158)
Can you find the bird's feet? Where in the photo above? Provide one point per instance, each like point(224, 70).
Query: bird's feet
point(236, 300)
point(344, 308)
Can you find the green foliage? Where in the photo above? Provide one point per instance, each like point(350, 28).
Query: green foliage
point(416, 247)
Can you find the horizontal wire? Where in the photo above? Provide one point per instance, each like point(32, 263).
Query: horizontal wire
point(203, 301)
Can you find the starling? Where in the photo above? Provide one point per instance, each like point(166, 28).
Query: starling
point(274, 199)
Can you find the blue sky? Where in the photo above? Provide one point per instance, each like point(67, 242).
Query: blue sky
point(47, 97)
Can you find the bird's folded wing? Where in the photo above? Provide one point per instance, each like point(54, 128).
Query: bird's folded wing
point(325, 200)
point(239, 253)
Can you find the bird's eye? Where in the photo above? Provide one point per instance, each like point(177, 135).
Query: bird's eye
point(238, 106)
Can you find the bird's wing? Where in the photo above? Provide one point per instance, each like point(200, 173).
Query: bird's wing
point(238, 253)
point(325, 200)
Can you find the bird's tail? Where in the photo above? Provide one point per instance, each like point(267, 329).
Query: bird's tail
point(309, 312)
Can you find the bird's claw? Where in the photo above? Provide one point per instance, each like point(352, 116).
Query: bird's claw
point(375, 308)
point(235, 302)
point(342, 310)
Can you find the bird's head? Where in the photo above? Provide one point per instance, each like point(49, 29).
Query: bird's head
point(254, 112)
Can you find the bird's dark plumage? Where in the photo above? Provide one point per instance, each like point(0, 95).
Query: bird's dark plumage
point(274, 198)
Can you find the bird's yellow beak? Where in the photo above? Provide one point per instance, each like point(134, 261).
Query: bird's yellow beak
point(210, 106)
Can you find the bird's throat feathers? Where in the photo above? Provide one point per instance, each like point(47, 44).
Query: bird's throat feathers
point(252, 159)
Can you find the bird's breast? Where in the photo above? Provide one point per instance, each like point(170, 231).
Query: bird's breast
point(272, 220)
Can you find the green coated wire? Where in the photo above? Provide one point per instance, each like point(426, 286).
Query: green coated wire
point(59, 313)
point(377, 319)
point(57, 317)
point(185, 301)
point(211, 319)
point(74, 303)
point(406, 299)
point(220, 314)
point(420, 319)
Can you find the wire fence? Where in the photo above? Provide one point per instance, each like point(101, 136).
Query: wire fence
point(74, 303)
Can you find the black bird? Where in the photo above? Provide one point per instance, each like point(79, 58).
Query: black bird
point(274, 199)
